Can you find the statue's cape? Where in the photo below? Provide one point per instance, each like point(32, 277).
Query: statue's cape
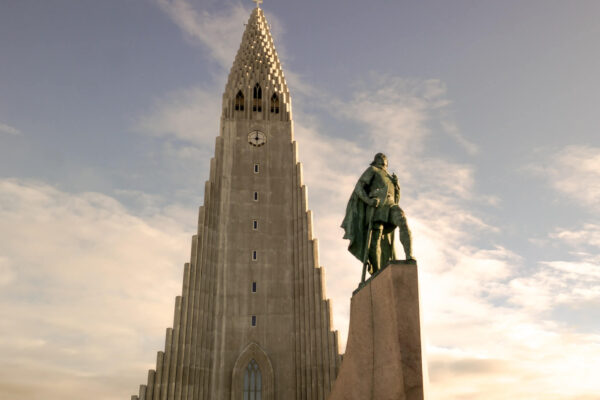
point(356, 227)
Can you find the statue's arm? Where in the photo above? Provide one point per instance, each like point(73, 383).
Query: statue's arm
point(361, 187)
point(397, 185)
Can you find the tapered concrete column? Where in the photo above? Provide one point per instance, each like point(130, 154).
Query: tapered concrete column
point(383, 354)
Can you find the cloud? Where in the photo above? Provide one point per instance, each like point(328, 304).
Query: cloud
point(452, 130)
point(588, 235)
point(219, 33)
point(486, 322)
point(575, 172)
point(543, 366)
point(435, 194)
point(488, 325)
point(188, 116)
point(556, 283)
point(9, 130)
point(7, 272)
point(86, 287)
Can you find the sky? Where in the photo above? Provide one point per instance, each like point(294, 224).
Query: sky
point(487, 111)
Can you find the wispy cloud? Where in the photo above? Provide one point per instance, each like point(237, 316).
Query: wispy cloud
point(489, 329)
point(586, 236)
point(575, 172)
point(219, 33)
point(485, 321)
point(86, 286)
point(9, 130)
point(454, 132)
point(189, 116)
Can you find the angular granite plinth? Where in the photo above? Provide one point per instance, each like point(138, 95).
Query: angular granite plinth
point(383, 354)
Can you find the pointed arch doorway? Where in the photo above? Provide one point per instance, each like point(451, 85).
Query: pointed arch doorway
point(252, 377)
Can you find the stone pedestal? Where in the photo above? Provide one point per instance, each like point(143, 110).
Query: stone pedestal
point(383, 354)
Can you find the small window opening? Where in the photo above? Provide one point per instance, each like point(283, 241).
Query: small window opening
point(256, 168)
point(275, 103)
point(255, 196)
point(254, 255)
point(257, 98)
point(253, 287)
point(239, 101)
point(255, 225)
point(254, 320)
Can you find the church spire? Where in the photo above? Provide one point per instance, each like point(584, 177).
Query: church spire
point(256, 87)
point(252, 320)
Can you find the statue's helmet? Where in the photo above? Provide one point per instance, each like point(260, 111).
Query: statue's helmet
point(379, 159)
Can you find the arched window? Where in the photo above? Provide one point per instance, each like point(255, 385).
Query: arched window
point(257, 98)
point(252, 359)
point(275, 103)
point(252, 382)
point(239, 101)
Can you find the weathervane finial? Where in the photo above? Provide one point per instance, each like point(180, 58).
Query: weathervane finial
point(258, 2)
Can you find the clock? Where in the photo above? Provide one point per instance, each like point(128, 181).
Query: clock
point(257, 138)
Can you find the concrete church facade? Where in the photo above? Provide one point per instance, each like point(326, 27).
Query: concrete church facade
point(252, 321)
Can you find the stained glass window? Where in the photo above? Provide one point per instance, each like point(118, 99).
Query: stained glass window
point(252, 382)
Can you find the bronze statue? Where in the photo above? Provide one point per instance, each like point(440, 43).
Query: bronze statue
point(372, 216)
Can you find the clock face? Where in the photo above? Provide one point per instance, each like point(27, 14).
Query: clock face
point(257, 138)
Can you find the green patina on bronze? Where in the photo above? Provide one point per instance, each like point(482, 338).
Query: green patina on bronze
point(372, 216)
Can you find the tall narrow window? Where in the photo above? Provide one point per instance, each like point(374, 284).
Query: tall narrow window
point(255, 224)
point(239, 101)
point(275, 103)
point(252, 381)
point(254, 320)
point(257, 98)
point(253, 287)
point(256, 168)
point(254, 255)
point(255, 196)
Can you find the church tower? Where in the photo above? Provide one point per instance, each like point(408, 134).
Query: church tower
point(252, 322)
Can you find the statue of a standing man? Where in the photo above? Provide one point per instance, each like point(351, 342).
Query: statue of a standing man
point(372, 216)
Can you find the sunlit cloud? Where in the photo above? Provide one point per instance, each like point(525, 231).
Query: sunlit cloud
point(9, 130)
point(187, 116)
point(484, 321)
point(219, 33)
point(574, 171)
point(587, 235)
point(87, 288)
point(89, 284)
point(453, 131)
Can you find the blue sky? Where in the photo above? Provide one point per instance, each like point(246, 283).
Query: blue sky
point(488, 114)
